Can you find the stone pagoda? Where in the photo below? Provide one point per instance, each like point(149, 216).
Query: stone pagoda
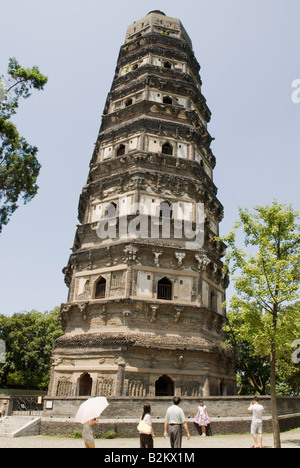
point(144, 316)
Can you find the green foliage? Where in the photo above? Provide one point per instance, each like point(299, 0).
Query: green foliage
point(267, 282)
point(253, 372)
point(29, 339)
point(24, 79)
point(253, 368)
point(268, 277)
point(19, 167)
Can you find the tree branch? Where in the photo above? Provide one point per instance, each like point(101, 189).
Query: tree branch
point(16, 84)
point(267, 279)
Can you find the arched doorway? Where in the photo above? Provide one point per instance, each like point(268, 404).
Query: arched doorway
point(223, 388)
point(165, 290)
point(121, 150)
point(164, 386)
point(167, 148)
point(129, 102)
point(167, 100)
point(85, 385)
point(100, 289)
point(166, 210)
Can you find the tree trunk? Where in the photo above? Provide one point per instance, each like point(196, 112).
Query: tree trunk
point(275, 419)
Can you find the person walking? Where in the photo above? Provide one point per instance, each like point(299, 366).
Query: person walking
point(202, 418)
point(146, 429)
point(256, 409)
point(175, 420)
point(88, 434)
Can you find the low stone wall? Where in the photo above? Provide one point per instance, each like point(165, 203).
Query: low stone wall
point(124, 429)
point(128, 428)
point(228, 414)
point(128, 408)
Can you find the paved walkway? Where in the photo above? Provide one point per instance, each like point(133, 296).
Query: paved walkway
point(289, 440)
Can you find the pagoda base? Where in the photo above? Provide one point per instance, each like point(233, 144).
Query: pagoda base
point(140, 365)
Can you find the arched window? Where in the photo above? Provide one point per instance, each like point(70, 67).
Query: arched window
point(100, 289)
point(166, 210)
point(214, 301)
point(165, 290)
point(167, 148)
point(121, 150)
point(168, 65)
point(111, 211)
point(85, 385)
point(164, 386)
point(167, 100)
point(128, 102)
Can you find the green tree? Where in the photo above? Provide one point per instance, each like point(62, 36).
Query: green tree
point(267, 281)
point(19, 167)
point(29, 338)
point(253, 371)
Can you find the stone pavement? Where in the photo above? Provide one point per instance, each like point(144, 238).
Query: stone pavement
point(289, 440)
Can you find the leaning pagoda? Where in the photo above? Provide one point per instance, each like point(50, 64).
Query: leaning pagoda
point(144, 316)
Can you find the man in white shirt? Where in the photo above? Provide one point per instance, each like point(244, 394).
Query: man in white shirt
point(175, 419)
point(257, 423)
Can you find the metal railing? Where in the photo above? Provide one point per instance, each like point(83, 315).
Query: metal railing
point(27, 405)
point(164, 292)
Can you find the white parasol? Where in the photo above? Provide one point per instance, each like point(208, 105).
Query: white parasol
point(91, 409)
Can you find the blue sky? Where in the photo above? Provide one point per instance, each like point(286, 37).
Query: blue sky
point(249, 57)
